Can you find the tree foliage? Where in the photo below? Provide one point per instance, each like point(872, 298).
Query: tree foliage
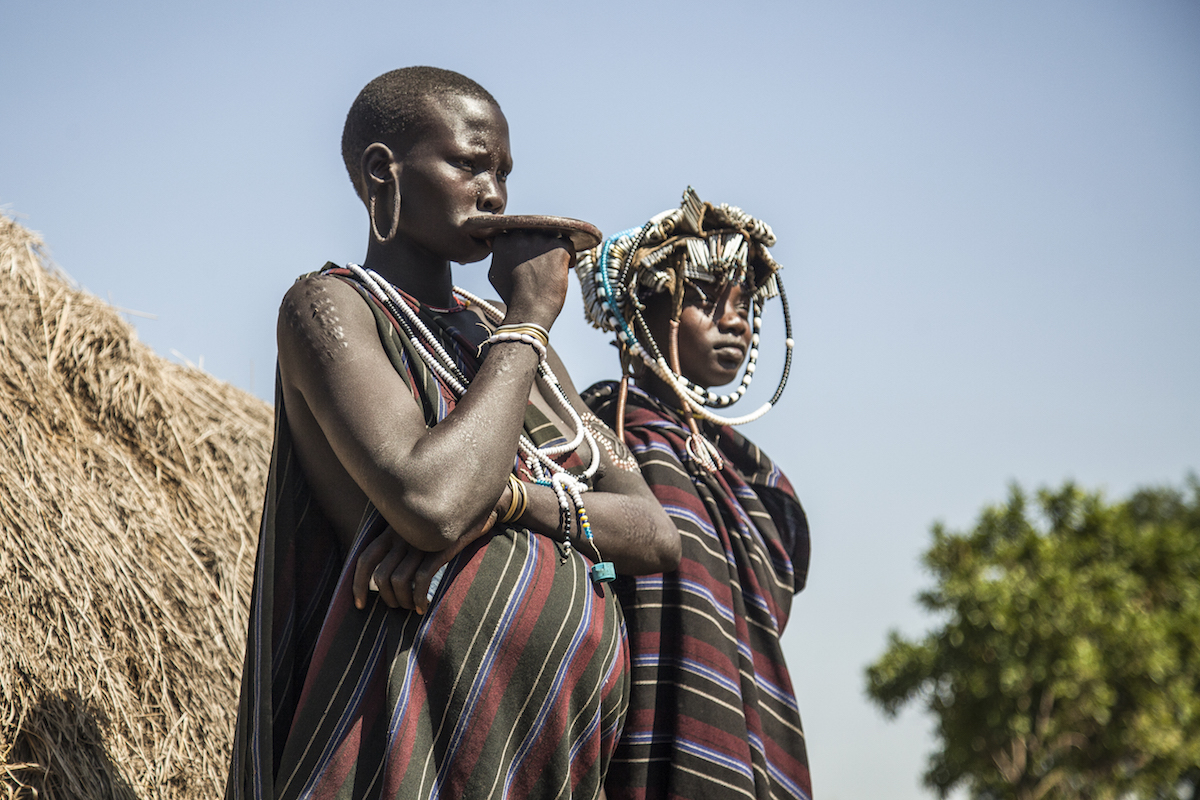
point(1068, 664)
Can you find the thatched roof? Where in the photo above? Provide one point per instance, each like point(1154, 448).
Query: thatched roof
point(130, 490)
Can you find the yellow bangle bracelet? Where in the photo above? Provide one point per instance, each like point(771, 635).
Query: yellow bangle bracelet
point(519, 501)
point(528, 328)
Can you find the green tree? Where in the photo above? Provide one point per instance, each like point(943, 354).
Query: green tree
point(1068, 664)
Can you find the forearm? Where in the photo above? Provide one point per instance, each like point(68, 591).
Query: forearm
point(633, 532)
point(452, 476)
point(358, 428)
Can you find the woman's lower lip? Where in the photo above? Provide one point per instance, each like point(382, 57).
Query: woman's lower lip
point(731, 354)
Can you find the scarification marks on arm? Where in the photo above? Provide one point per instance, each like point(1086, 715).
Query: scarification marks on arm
point(312, 313)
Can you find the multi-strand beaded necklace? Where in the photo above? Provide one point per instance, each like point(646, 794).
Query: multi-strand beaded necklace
point(539, 460)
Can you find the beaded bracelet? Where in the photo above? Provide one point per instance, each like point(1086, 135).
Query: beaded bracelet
point(530, 328)
point(523, 338)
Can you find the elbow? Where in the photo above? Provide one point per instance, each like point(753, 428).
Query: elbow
point(670, 551)
point(432, 523)
point(447, 528)
point(661, 555)
point(429, 538)
point(651, 545)
point(666, 547)
point(420, 532)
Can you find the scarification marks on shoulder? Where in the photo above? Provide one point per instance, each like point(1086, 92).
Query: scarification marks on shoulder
point(312, 313)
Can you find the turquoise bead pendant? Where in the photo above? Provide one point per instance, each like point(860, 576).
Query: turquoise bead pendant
point(604, 572)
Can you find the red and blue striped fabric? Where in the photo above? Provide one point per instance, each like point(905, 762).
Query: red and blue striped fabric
point(712, 713)
point(513, 685)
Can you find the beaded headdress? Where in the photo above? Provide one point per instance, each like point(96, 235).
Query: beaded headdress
point(697, 241)
point(701, 241)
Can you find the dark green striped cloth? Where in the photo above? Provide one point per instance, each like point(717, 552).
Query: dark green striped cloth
point(712, 713)
point(513, 685)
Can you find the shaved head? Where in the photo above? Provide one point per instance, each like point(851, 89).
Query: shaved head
point(392, 109)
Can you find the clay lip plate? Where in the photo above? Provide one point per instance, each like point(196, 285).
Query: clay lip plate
point(583, 235)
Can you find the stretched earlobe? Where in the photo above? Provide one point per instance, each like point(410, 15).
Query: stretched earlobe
point(379, 168)
point(395, 221)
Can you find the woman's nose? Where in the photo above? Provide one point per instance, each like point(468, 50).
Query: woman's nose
point(493, 195)
point(731, 318)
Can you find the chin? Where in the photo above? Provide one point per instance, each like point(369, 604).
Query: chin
point(483, 251)
point(724, 375)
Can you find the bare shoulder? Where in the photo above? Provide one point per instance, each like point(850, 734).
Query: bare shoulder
point(319, 317)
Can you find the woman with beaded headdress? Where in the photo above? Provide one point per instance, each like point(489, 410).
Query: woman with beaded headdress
point(712, 711)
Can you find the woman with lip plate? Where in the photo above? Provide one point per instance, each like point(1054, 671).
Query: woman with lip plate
point(422, 431)
point(712, 711)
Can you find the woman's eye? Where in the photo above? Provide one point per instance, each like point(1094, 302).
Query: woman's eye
point(696, 296)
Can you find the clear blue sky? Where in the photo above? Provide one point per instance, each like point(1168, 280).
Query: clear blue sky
point(988, 214)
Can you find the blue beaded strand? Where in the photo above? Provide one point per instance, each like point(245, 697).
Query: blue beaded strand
point(603, 571)
point(602, 273)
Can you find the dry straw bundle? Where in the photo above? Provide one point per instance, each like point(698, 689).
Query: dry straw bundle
point(130, 490)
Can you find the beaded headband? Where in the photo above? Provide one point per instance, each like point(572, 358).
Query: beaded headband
point(697, 241)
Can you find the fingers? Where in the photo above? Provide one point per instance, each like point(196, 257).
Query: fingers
point(382, 575)
point(423, 578)
point(521, 245)
point(529, 270)
point(401, 579)
point(371, 556)
point(402, 574)
point(386, 565)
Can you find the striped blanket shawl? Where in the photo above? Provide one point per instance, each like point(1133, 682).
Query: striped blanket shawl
point(513, 684)
point(712, 712)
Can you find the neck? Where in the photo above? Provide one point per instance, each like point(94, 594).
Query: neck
point(656, 387)
point(423, 275)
